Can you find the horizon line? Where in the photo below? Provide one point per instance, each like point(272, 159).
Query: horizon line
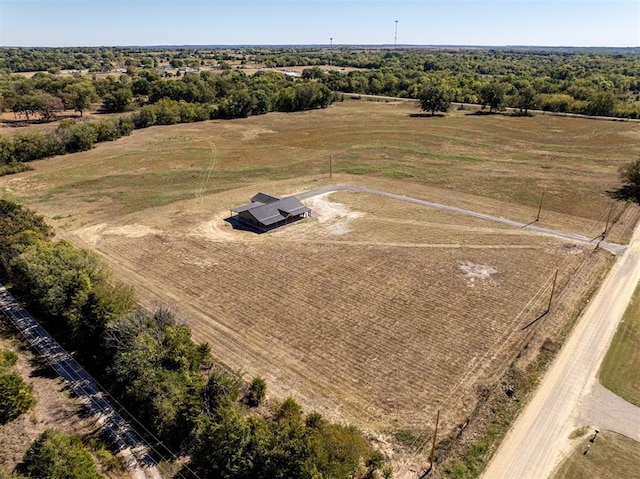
point(326, 45)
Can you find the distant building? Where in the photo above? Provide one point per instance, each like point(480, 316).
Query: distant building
point(266, 212)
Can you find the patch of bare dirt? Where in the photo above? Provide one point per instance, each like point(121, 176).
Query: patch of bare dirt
point(333, 217)
point(475, 271)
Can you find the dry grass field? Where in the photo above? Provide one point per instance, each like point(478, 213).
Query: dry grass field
point(611, 456)
point(373, 311)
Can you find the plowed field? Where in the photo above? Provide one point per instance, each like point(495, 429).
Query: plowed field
point(373, 319)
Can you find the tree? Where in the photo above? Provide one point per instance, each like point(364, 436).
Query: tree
point(76, 137)
point(223, 448)
point(56, 455)
point(59, 277)
point(257, 391)
point(526, 97)
point(221, 392)
point(630, 176)
point(48, 105)
point(27, 105)
point(16, 396)
point(492, 94)
point(80, 96)
point(602, 103)
point(434, 96)
point(119, 99)
point(19, 228)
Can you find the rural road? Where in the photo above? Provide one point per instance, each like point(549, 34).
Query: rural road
point(616, 249)
point(538, 439)
point(128, 443)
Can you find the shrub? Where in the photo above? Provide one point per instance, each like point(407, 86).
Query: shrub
point(257, 391)
point(16, 396)
point(56, 455)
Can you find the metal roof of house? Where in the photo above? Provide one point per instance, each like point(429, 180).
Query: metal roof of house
point(274, 209)
point(264, 198)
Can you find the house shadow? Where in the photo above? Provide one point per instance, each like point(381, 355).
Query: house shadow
point(236, 224)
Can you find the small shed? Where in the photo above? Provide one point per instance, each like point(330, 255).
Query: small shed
point(267, 212)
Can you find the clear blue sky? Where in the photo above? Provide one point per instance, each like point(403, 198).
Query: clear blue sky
point(238, 22)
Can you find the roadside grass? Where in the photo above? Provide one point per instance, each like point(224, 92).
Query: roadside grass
point(611, 456)
point(620, 370)
point(474, 458)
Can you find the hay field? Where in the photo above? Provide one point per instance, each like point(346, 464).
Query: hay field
point(496, 159)
point(373, 311)
point(367, 316)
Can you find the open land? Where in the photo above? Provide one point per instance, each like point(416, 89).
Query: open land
point(374, 311)
point(611, 455)
point(619, 371)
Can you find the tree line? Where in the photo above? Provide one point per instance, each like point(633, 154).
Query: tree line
point(150, 363)
point(153, 100)
point(597, 82)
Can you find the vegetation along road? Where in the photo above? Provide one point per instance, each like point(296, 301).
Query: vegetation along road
point(127, 441)
point(539, 437)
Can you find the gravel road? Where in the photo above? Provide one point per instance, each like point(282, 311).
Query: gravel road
point(540, 436)
point(616, 249)
point(604, 410)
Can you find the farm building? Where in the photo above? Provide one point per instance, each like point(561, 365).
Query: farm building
point(266, 212)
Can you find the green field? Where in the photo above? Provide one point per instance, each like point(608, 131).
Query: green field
point(477, 161)
point(611, 456)
point(620, 370)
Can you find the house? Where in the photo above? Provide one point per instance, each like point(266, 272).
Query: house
point(266, 212)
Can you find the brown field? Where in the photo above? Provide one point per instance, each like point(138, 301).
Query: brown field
point(611, 456)
point(374, 311)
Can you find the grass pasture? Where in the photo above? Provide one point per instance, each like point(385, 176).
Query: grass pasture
point(374, 310)
point(611, 456)
point(620, 370)
point(494, 158)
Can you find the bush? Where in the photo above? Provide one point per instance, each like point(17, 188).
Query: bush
point(56, 455)
point(76, 137)
point(257, 391)
point(16, 396)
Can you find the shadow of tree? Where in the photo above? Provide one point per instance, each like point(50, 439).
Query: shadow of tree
point(520, 114)
point(626, 193)
point(482, 113)
point(426, 115)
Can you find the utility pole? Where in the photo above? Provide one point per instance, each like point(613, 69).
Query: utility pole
point(433, 444)
point(553, 288)
point(330, 166)
point(395, 37)
point(540, 207)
